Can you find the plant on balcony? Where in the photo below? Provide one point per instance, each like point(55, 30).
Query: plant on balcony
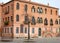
point(6, 22)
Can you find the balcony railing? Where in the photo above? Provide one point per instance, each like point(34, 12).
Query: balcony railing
point(33, 23)
point(51, 24)
point(45, 23)
point(6, 22)
point(25, 22)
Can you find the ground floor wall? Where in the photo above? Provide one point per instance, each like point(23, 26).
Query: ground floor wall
point(7, 32)
point(35, 31)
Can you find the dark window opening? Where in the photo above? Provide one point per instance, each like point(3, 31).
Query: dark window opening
point(56, 21)
point(33, 9)
point(45, 11)
point(45, 21)
point(21, 28)
point(26, 7)
point(51, 22)
point(17, 6)
point(17, 17)
point(33, 21)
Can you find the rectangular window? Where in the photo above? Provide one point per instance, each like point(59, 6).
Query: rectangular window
point(10, 30)
point(59, 21)
point(25, 30)
point(17, 6)
point(4, 30)
point(59, 30)
point(11, 18)
point(17, 29)
point(6, 10)
point(56, 12)
point(32, 30)
point(51, 29)
point(21, 28)
point(25, 8)
point(8, 18)
point(51, 12)
point(7, 30)
point(26, 20)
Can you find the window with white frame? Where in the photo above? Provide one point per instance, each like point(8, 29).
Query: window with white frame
point(32, 30)
point(25, 29)
point(17, 29)
point(21, 28)
point(59, 30)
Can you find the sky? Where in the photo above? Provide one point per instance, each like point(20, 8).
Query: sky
point(54, 3)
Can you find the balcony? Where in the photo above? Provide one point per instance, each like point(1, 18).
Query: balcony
point(6, 23)
point(33, 23)
point(45, 23)
point(51, 24)
point(6, 12)
point(25, 22)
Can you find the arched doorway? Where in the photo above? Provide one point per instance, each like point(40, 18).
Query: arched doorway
point(39, 32)
point(48, 34)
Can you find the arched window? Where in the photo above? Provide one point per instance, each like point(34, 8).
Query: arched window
point(56, 21)
point(51, 11)
point(40, 10)
point(45, 21)
point(26, 20)
point(33, 20)
point(17, 6)
point(26, 7)
point(39, 32)
point(39, 20)
point(17, 17)
point(51, 22)
point(33, 9)
point(45, 11)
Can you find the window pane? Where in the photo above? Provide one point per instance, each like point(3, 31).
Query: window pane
point(17, 29)
point(51, 11)
point(33, 9)
point(59, 21)
point(25, 30)
point(17, 17)
point(59, 30)
point(21, 28)
point(32, 30)
point(51, 22)
point(25, 8)
point(45, 21)
point(11, 18)
point(17, 6)
point(39, 31)
point(45, 11)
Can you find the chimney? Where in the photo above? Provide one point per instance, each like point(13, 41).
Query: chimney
point(48, 4)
